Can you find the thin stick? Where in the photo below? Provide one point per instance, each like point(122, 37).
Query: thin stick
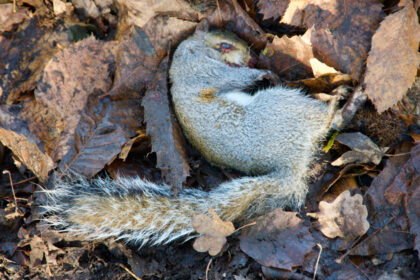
point(340, 259)
point(317, 260)
point(129, 272)
point(218, 9)
point(208, 268)
point(13, 190)
point(360, 270)
point(244, 226)
point(20, 182)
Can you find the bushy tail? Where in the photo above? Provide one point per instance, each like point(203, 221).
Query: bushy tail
point(142, 212)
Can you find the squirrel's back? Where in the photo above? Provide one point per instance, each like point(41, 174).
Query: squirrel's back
point(272, 133)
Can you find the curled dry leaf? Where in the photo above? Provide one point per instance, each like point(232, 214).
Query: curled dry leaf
point(393, 59)
point(363, 149)
point(279, 240)
point(345, 217)
point(213, 233)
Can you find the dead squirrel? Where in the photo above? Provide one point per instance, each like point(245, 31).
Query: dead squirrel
point(271, 135)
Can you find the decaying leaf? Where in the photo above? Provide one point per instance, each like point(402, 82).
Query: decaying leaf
point(16, 135)
point(213, 232)
point(167, 139)
point(279, 240)
point(344, 217)
point(397, 184)
point(363, 149)
point(24, 55)
point(394, 58)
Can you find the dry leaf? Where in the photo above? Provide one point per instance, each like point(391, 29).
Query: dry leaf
point(363, 149)
point(345, 217)
point(319, 68)
point(272, 8)
point(8, 18)
point(342, 30)
point(288, 57)
point(393, 60)
point(139, 13)
point(24, 55)
point(167, 139)
point(15, 134)
point(233, 16)
point(279, 240)
point(213, 233)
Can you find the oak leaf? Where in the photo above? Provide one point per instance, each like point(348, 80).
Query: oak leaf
point(213, 233)
point(345, 217)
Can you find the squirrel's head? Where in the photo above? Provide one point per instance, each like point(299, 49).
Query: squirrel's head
point(233, 50)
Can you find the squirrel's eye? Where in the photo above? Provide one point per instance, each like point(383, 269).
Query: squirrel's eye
point(226, 46)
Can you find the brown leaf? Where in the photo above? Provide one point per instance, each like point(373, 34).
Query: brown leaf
point(342, 30)
point(363, 149)
point(167, 139)
point(16, 135)
point(393, 60)
point(344, 217)
point(232, 15)
point(272, 9)
point(84, 131)
point(387, 198)
point(38, 249)
point(8, 17)
point(24, 56)
point(139, 13)
point(279, 240)
point(213, 233)
point(288, 57)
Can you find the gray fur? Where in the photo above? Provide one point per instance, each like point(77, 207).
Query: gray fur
point(274, 135)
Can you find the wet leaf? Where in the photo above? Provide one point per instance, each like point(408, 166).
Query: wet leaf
point(394, 58)
point(279, 240)
point(213, 233)
point(344, 217)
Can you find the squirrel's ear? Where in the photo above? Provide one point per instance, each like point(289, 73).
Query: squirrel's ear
point(203, 26)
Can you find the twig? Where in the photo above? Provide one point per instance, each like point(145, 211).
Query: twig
point(244, 226)
point(20, 182)
point(317, 260)
point(129, 272)
point(339, 260)
point(220, 13)
point(360, 270)
point(13, 190)
point(208, 268)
